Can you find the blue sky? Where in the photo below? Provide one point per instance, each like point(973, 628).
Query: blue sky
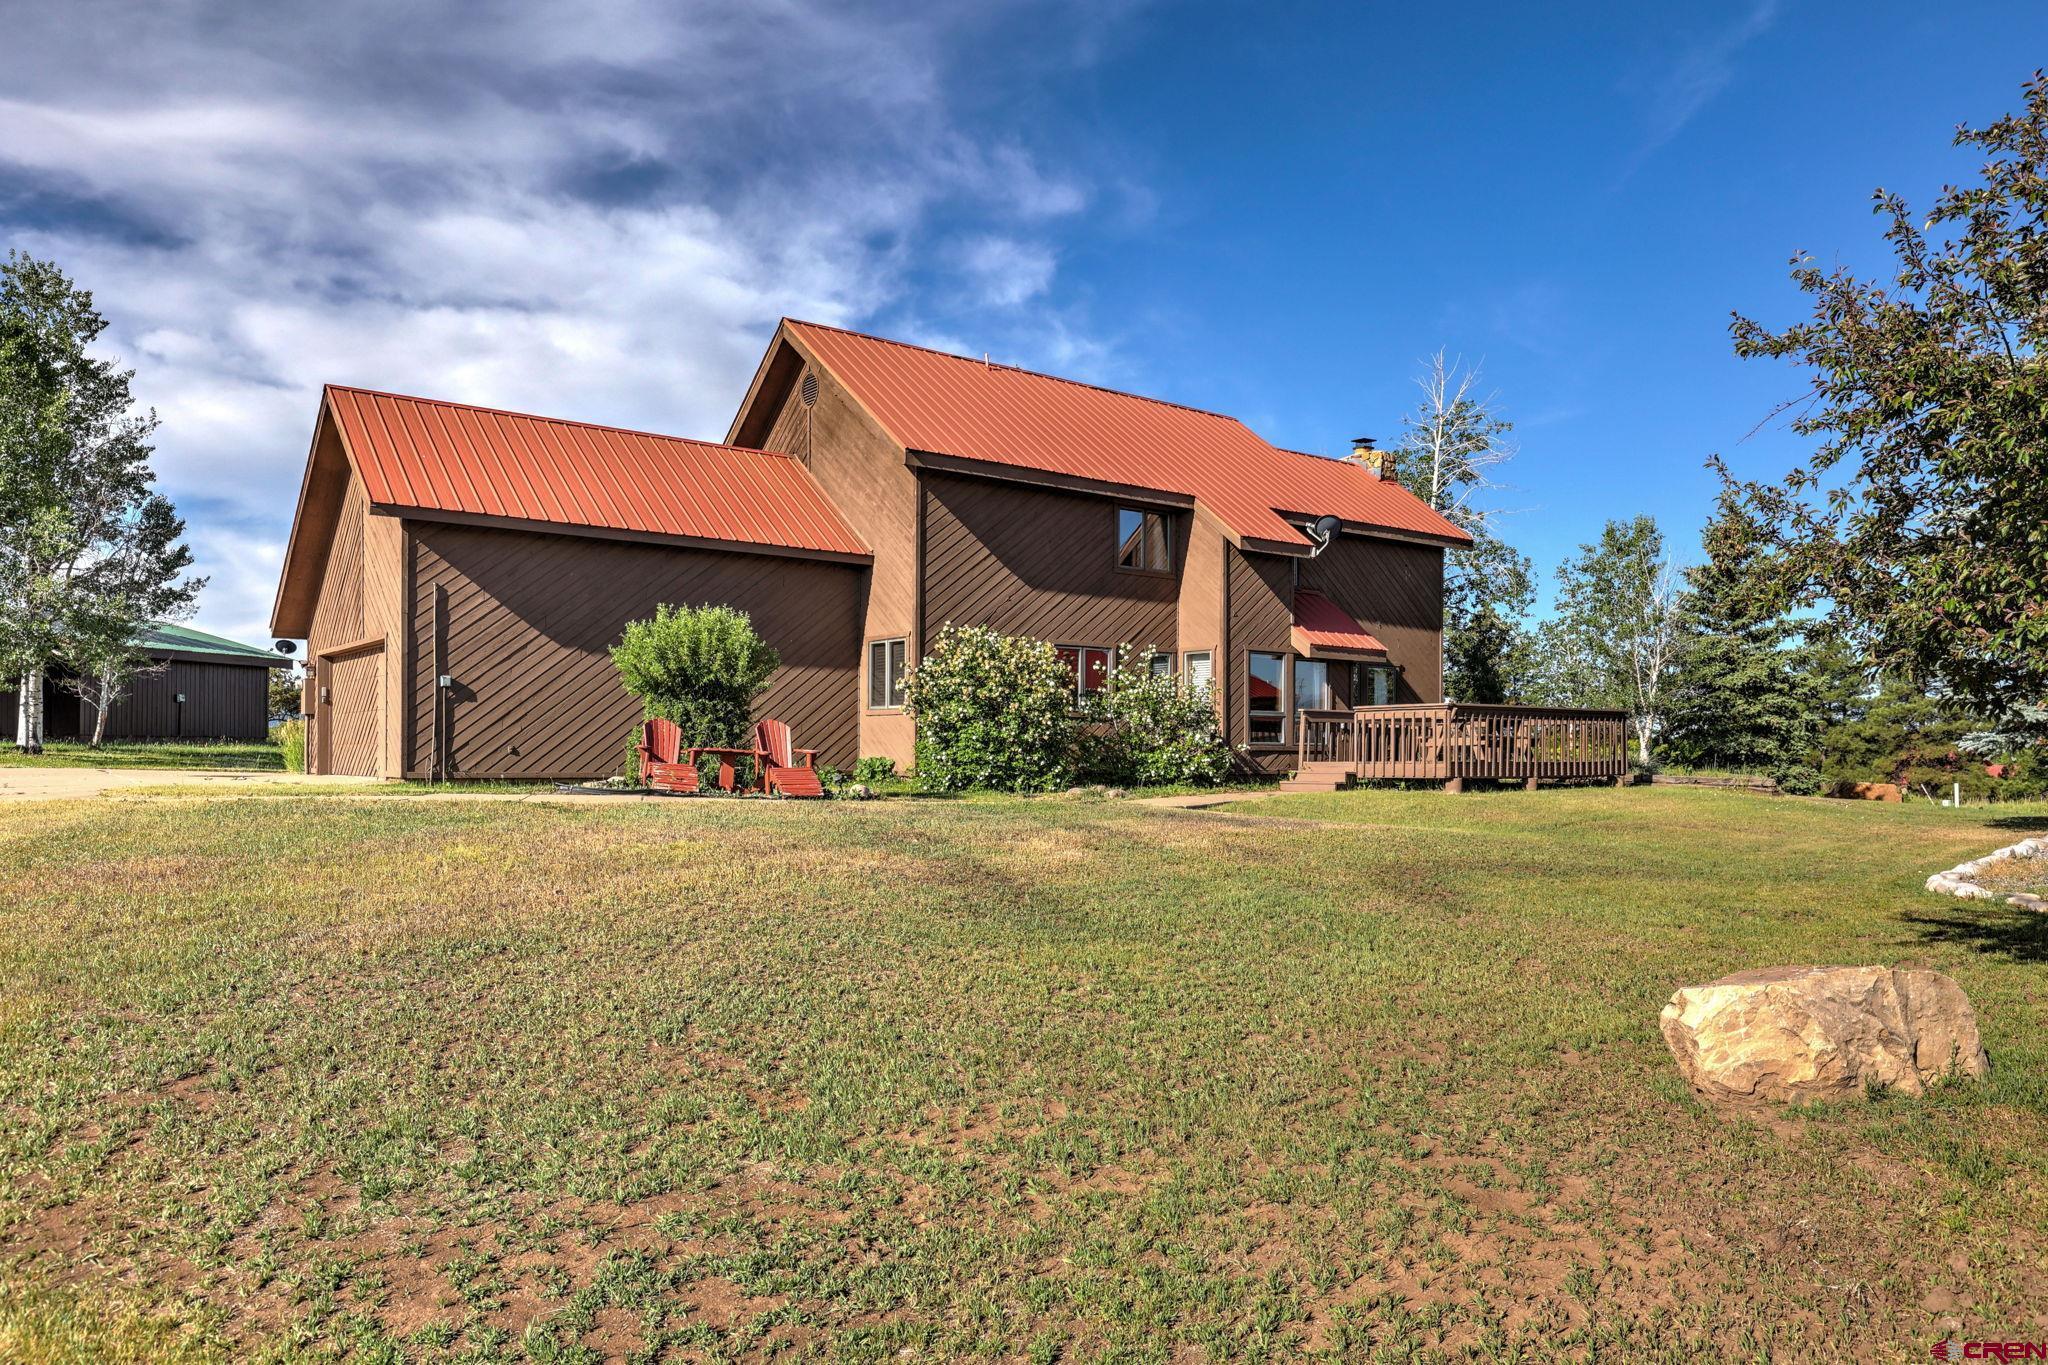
point(1274, 211)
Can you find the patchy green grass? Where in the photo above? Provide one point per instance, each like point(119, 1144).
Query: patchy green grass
point(1016, 1080)
point(240, 755)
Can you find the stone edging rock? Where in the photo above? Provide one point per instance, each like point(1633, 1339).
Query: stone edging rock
point(1961, 880)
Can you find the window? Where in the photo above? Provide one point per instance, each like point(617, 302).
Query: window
point(1142, 541)
point(1382, 683)
point(1266, 698)
point(1314, 688)
point(1196, 668)
point(1088, 666)
point(885, 675)
point(1161, 665)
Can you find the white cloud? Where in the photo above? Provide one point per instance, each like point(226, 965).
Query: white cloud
point(1005, 271)
point(1702, 69)
point(597, 212)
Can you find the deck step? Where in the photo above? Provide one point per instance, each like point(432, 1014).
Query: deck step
point(1320, 777)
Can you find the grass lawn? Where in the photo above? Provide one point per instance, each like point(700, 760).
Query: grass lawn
point(249, 756)
point(1018, 1080)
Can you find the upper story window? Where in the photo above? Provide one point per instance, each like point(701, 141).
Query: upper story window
point(1144, 541)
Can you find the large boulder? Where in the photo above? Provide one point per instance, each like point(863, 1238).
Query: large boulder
point(1809, 1033)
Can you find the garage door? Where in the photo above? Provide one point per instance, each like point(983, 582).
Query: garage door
point(355, 713)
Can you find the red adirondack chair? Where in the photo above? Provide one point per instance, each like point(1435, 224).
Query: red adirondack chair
point(785, 769)
point(663, 765)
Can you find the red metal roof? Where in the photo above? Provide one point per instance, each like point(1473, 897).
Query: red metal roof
point(951, 405)
point(1323, 627)
point(451, 457)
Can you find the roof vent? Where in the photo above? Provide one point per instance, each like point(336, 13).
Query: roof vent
point(809, 389)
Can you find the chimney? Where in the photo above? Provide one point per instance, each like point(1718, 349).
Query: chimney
point(1365, 450)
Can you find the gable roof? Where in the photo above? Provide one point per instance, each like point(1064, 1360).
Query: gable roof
point(161, 637)
point(425, 455)
point(930, 402)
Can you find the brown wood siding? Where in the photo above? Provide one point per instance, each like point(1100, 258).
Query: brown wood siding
point(863, 472)
point(529, 619)
point(337, 621)
point(1030, 561)
point(1396, 591)
point(384, 617)
point(338, 611)
point(1261, 595)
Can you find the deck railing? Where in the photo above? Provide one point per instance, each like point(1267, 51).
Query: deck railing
point(1453, 741)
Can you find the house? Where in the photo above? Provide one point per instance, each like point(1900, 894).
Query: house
point(198, 686)
point(458, 572)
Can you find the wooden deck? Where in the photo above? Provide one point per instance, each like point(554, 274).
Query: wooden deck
point(1456, 742)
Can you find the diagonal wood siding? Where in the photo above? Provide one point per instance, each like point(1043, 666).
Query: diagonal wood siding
point(1260, 589)
point(1036, 562)
point(527, 620)
point(1396, 591)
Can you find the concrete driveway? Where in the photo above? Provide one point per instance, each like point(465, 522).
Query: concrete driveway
point(70, 784)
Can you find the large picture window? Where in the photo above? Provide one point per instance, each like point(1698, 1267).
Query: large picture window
point(1143, 541)
point(1266, 698)
point(886, 659)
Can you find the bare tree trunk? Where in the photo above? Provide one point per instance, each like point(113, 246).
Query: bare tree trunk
point(99, 709)
point(28, 721)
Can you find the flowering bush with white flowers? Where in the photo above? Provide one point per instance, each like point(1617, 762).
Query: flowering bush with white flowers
point(993, 711)
point(1148, 729)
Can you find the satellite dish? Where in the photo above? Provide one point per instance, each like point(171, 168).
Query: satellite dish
point(285, 647)
point(1322, 531)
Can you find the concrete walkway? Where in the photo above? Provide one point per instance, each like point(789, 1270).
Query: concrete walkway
point(72, 784)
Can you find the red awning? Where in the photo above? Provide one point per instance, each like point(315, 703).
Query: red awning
point(1324, 630)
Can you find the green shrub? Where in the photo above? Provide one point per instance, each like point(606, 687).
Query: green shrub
point(1797, 779)
point(291, 738)
point(700, 667)
point(992, 711)
point(874, 768)
point(1148, 730)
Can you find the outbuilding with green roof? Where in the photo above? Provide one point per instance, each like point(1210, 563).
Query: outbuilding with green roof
point(199, 686)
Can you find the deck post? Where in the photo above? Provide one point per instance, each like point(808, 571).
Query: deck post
point(1454, 785)
point(1529, 783)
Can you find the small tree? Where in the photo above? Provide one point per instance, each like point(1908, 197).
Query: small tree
point(1617, 614)
point(994, 711)
point(134, 580)
point(101, 666)
point(700, 667)
point(287, 691)
point(1148, 730)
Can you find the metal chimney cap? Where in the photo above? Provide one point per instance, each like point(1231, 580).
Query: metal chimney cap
point(1364, 442)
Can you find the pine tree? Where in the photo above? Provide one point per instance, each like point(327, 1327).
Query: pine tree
point(1738, 699)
